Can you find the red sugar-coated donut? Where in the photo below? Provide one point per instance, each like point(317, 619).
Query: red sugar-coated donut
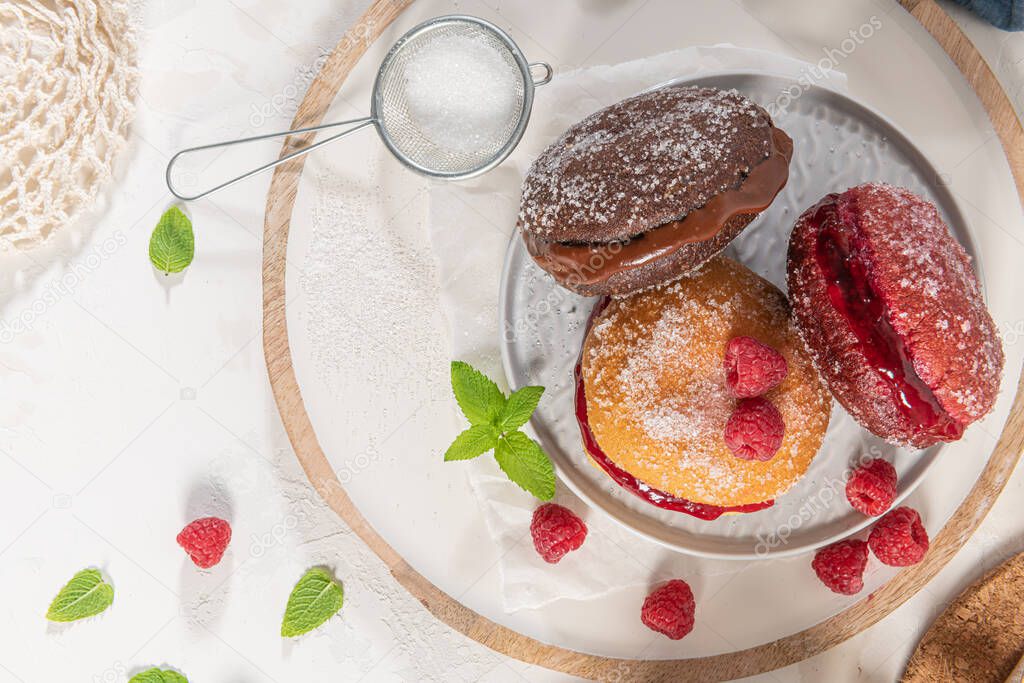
point(891, 310)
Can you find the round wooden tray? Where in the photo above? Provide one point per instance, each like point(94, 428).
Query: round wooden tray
point(766, 657)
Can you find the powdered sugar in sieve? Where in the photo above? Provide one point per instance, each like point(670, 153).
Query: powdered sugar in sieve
point(451, 100)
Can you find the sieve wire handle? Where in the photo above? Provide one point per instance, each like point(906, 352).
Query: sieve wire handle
point(355, 124)
point(546, 71)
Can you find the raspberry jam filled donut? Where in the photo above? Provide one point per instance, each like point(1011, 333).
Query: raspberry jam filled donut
point(892, 313)
point(650, 188)
point(653, 400)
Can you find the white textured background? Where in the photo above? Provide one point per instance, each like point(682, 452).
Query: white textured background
point(131, 403)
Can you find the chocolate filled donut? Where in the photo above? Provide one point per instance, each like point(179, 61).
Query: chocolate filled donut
point(892, 313)
point(651, 188)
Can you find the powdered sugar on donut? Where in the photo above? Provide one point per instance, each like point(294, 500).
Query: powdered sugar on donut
point(642, 162)
point(656, 391)
point(940, 312)
point(933, 302)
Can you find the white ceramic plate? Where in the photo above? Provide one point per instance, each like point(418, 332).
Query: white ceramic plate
point(838, 143)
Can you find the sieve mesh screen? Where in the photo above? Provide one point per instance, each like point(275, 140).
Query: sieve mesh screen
point(457, 115)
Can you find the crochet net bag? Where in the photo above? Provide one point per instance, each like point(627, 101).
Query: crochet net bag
point(67, 81)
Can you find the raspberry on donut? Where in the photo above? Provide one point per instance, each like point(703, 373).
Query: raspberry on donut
point(752, 368)
point(893, 315)
point(755, 429)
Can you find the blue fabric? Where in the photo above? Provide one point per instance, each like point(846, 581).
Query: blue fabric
point(1006, 14)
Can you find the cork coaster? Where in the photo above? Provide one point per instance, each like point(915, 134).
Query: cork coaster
point(980, 636)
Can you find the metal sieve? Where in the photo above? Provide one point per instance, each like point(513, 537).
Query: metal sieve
point(403, 129)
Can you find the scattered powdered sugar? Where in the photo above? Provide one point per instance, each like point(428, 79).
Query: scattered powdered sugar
point(463, 92)
point(358, 273)
point(369, 284)
point(674, 418)
point(302, 531)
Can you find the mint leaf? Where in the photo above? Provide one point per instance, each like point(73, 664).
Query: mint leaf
point(519, 407)
point(495, 421)
point(475, 441)
point(172, 244)
point(85, 595)
point(158, 676)
point(525, 463)
point(316, 598)
point(480, 399)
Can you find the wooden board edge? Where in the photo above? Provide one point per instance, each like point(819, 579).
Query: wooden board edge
point(767, 657)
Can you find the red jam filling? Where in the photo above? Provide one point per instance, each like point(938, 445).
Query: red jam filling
point(846, 265)
point(628, 481)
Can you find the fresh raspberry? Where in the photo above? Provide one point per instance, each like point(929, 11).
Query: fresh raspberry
point(755, 429)
point(669, 609)
point(752, 368)
point(840, 566)
point(556, 531)
point(899, 538)
point(205, 540)
point(872, 487)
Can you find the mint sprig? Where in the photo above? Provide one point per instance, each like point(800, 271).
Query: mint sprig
point(316, 598)
point(172, 244)
point(157, 676)
point(85, 595)
point(494, 425)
